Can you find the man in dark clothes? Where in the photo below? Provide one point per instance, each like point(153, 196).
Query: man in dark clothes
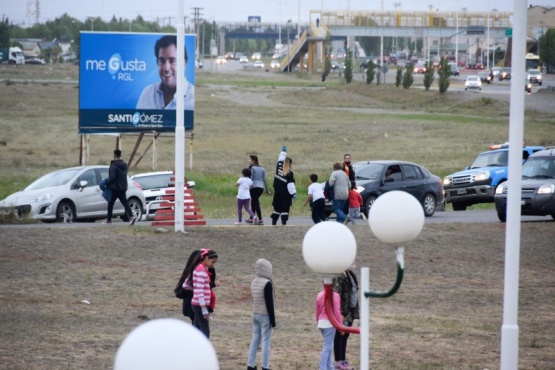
point(117, 181)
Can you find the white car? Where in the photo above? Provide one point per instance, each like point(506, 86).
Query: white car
point(243, 59)
point(69, 195)
point(274, 63)
point(258, 64)
point(256, 56)
point(473, 83)
point(220, 60)
point(534, 76)
point(155, 186)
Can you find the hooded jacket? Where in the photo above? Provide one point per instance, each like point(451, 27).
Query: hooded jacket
point(117, 179)
point(262, 290)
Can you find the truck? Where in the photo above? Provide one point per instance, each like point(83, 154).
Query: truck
point(477, 183)
point(12, 55)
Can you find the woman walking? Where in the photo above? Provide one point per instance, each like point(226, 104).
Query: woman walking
point(260, 183)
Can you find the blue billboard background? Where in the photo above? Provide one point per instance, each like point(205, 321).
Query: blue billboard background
point(114, 69)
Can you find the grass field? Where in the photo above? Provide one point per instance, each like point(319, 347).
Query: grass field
point(446, 315)
point(241, 114)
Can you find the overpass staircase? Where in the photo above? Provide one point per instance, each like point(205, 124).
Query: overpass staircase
point(307, 43)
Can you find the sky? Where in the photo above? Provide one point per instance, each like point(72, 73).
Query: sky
point(229, 10)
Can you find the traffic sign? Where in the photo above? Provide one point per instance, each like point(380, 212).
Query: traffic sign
point(508, 32)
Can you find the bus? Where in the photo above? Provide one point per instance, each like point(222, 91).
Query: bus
point(533, 62)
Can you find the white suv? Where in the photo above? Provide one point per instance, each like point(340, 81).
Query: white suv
point(154, 186)
point(534, 76)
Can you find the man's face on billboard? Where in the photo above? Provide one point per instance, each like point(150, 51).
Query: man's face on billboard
point(167, 58)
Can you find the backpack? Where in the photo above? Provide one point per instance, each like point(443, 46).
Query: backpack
point(328, 191)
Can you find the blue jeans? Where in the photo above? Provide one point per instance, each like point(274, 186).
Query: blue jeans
point(326, 359)
point(337, 208)
point(261, 332)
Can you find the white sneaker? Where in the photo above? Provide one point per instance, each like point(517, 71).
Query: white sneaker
point(238, 223)
point(255, 220)
point(363, 216)
point(132, 221)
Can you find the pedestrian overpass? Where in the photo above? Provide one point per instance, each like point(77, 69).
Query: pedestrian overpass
point(348, 25)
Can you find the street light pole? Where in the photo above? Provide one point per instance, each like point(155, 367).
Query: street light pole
point(487, 43)
point(330, 248)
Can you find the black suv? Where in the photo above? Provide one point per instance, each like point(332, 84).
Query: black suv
point(538, 187)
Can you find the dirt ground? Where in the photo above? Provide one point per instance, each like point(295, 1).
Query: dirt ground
point(446, 315)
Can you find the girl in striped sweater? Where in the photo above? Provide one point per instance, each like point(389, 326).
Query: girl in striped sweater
point(201, 289)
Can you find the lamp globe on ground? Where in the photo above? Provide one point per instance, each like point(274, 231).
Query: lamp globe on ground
point(396, 217)
point(168, 344)
point(329, 247)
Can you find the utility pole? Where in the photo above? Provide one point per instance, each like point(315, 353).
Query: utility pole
point(196, 22)
point(33, 9)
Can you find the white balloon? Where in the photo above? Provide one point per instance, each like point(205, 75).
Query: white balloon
point(329, 247)
point(396, 217)
point(168, 344)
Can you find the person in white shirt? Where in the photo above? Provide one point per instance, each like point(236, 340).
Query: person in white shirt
point(243, 195)
point(316, 199)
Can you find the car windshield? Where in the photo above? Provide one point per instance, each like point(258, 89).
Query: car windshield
point(53, 179)
point(541, 168)
point(492, 159)
point(472, 78)
point(533, 72)
point(153, 181)
point(368, 171)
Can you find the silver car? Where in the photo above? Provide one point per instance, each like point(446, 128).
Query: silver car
point(69, 195)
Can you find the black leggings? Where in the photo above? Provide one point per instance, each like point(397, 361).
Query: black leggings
point(255, 201)
point(340, 342)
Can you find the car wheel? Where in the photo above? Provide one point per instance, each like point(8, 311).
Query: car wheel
point(371, 199)
point(502, 215)
point(459, 206)
point(65, 213)
point(429, 205)
point(540, 84)
point(136, 208)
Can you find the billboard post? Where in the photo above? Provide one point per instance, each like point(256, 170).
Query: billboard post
point(179, 124)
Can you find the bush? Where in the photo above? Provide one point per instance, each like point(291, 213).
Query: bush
point(370, 72)
point(348, 67)
point(408, 78)
point(444, 73)
point(398, 76)
point(429, 75)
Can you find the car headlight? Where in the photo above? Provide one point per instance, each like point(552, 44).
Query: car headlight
point(500, 189)
point(546, 189)
point(447, 181)
point(42, 198)
point(482, 176)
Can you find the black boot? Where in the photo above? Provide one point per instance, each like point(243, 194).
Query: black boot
point(252, 368)
point(275, 217)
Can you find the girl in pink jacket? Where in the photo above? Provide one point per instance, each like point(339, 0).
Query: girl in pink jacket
point(327, 329)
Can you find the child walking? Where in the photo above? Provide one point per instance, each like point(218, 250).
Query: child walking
point(327, 329)
point(317, 199)
point(263, 317)
point(201, 289)
point(243, 195)
point(355, 202)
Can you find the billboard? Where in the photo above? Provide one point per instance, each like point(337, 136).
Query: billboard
point(127, 82)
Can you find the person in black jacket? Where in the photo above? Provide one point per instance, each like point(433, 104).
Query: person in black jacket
point(117, 181)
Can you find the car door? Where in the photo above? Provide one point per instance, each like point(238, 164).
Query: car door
point(393, 179)
point(414, 182)
point(88, 200)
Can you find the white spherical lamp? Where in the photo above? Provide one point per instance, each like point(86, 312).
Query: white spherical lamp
point(396, 217)
point(168, 344)
point(329, 247)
